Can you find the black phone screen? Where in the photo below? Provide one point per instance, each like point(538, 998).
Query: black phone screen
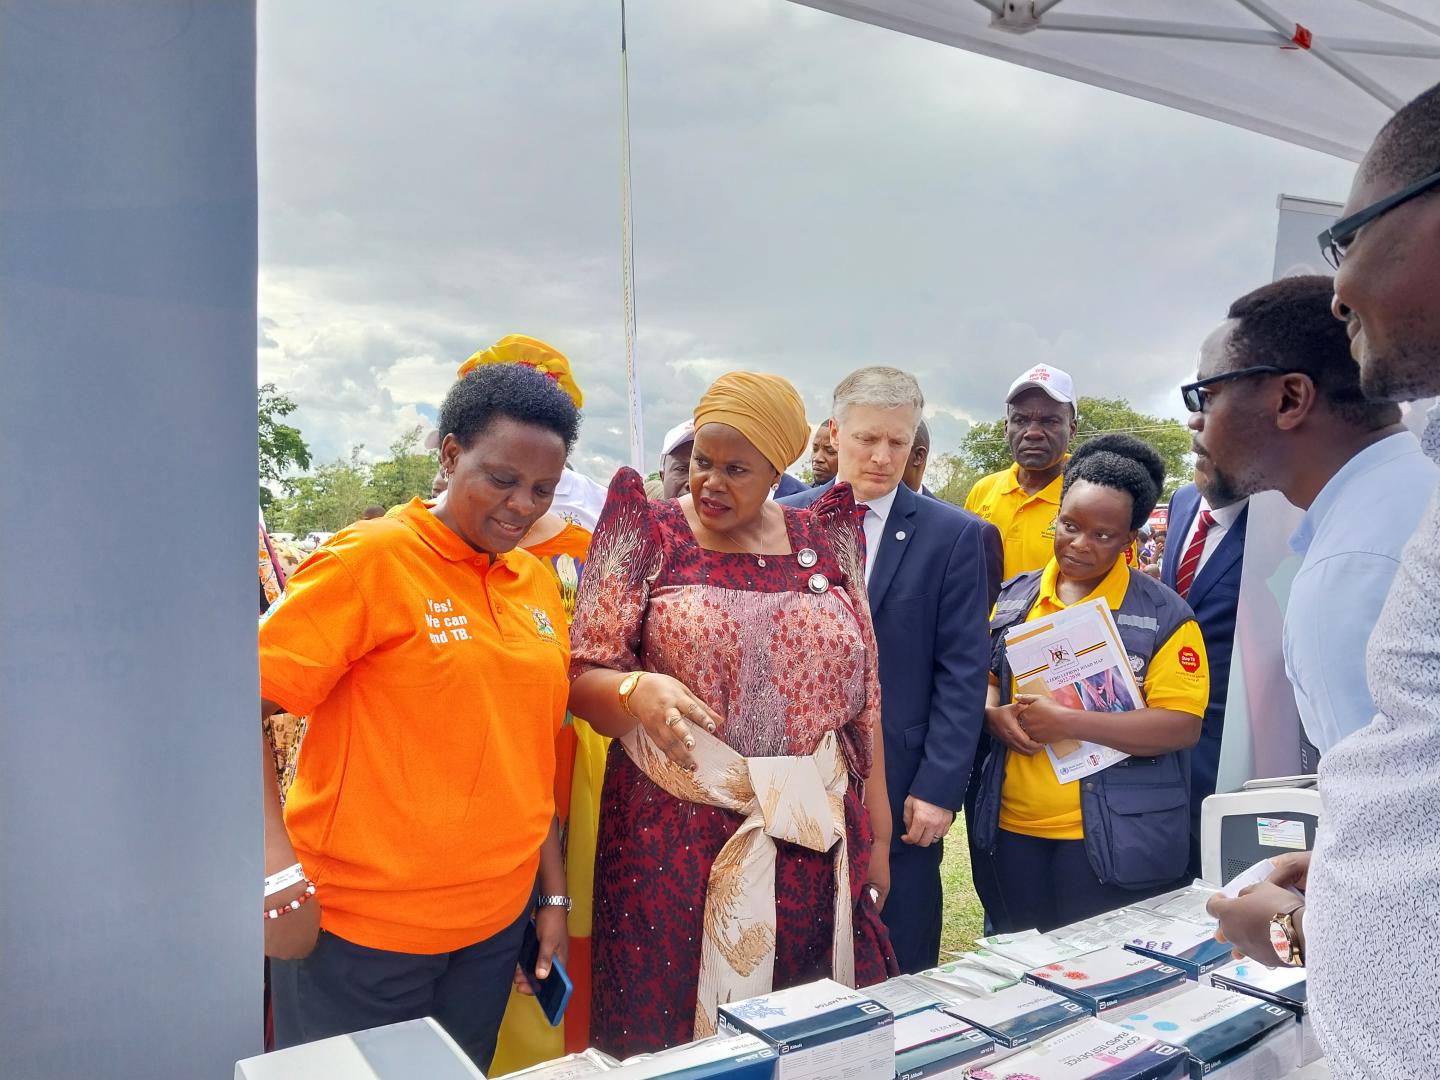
point(553, 993)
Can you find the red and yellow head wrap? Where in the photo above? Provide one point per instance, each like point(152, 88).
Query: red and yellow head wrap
point(532, 352)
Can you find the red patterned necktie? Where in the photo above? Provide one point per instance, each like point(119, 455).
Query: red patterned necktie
point(1185, 572)
point(861, 509)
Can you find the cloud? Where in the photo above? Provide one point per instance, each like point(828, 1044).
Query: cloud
point(811, 195)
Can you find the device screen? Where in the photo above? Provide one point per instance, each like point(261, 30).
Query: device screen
point(553, 992)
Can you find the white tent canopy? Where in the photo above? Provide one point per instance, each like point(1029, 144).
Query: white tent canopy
point(1322, 73)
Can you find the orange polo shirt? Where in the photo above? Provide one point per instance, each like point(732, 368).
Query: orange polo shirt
point(436, 683)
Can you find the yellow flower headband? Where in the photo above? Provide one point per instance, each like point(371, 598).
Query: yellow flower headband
point(532, 352)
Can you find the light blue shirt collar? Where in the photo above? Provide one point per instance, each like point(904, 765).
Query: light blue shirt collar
point(1386, 450)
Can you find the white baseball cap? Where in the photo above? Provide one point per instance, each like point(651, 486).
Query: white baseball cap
point(1053, 381)
point(677, 437)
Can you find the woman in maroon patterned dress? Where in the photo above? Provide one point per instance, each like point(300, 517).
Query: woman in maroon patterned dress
point(749, 626)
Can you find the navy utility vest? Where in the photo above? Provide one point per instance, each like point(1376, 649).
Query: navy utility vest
point(1136, 813)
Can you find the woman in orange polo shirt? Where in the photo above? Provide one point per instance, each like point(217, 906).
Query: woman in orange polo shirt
point(431, 659)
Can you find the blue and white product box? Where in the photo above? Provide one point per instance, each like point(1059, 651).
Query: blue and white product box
point(1020, 1014)
point(736, 1057)
point(1193, 949)
point(1108, 978)
point(932, 1042)
point(822, 1031)
point(570, 1067)
point(1092, 1050)
point(1283, 986)
point(1225, 1034)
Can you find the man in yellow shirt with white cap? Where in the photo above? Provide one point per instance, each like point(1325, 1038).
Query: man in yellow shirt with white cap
point(1022, 501)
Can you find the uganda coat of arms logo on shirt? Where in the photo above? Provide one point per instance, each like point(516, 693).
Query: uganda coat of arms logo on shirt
point(543, 626)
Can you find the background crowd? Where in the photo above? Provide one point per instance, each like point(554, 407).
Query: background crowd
point(710, 734)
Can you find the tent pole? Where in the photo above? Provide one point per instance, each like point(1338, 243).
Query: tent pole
point(1325, 55)
point(1405, 16)
point(1230, 35)
point(627, 263)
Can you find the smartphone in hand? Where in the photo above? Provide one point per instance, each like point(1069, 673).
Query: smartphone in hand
point(553, 992)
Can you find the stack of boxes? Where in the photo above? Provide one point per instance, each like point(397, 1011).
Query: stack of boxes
point(818, 1032)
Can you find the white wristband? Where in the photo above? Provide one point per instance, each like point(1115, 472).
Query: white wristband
point(279, 882)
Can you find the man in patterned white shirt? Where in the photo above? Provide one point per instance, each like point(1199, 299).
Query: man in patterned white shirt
point(1366, 927)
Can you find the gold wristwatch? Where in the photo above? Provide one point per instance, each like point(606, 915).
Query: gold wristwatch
point(627, 687)
point(1284, 939)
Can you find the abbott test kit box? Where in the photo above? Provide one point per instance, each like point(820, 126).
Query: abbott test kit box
point(1094, 1050)
point(739, 1057)
point(821, 1031)
point(1110, 978)
point(1283, 986)
point(1225, 1034)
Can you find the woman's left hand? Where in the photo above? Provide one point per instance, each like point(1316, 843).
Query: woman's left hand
point(877, 880)
point(552, 928)
point(1044, 719)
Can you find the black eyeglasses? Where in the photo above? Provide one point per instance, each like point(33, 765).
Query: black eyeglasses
point(1196, 392)
point(1334, 240)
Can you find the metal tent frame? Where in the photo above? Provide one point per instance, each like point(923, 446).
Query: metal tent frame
point(1344, 70)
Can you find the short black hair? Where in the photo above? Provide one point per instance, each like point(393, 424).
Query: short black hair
point(1408, 146)
point(922, 435)
point(1288, 323)
point(1124, 463)
point(510, 390)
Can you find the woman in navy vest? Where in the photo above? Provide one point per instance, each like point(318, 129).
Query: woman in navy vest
point(1061, 852)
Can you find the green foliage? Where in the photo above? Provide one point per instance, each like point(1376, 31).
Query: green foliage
point(336, 494)
point(406, 474)
point(281, 447)
point(984, 450)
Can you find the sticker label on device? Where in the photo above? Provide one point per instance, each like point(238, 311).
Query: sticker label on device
point(1281, 833)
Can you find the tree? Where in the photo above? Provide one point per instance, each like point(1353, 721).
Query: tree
point(336, 494)
point(407, 473)
point(327, 500)
point(984, 449)
point(281, 447)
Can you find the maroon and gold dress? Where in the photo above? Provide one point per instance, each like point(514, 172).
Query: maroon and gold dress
point(784, 661)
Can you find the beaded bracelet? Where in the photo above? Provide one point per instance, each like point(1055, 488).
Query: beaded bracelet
point(293, 905)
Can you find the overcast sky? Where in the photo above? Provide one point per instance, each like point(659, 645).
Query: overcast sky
point(810, 195)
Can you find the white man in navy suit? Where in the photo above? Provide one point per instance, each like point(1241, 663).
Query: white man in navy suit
point(932, 572)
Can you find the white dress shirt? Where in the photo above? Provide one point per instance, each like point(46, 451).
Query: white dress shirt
point(876, 514)
point(1351, 539)
point(1225, 519)
point(1370, 911)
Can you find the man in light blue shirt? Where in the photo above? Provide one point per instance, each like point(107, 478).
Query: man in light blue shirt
point(1280, 408)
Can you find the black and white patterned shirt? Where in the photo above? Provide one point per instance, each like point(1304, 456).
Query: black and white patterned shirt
point(1373, 917)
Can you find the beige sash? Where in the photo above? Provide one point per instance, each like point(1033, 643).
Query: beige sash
point(798, 799)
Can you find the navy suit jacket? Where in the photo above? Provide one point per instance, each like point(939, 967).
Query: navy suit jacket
point(789, 485)
point(1214, 596)
point(935, 579)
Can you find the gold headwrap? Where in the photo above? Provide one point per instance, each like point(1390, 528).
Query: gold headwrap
point(764, 408)
point(532, 352)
